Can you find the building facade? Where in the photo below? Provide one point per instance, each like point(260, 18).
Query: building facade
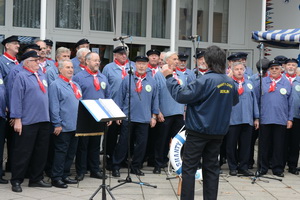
point(226, 23)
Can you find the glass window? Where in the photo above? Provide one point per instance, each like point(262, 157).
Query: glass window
point(101, 15)
point(220, 22)
point(2, 12)
point(26, 13)
point(68, 14)
point(134, 14)
point(185, 19)
point(202, 19)
point(161, 20)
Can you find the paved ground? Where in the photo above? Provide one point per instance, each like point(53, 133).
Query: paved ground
point(234, 188)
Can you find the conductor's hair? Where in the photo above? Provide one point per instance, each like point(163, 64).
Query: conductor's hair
point(215, 57)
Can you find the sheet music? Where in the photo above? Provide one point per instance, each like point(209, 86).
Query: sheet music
point(103, 109)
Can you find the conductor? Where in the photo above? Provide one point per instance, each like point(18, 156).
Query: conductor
point(209, 103)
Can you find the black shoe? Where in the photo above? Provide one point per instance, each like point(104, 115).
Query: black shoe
point(3, 181)
point(40, 183)
point(68, 180)
point(115, 173)
point(294, 171)
point(156, 170)
point(233, 172)
point(137, 172)
point(245, 172)
point(98, 175)
point(79, 177)
point(279, 174)
point(16, 187)
point(59, 184)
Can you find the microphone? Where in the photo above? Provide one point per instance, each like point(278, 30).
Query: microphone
point(121, 38)
point(260, 46)
point(193, 37)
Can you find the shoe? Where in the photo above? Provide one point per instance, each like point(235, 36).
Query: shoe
point(233, 172)
point(3, 181)
point(156, 170)
point(79, 177)
point(115, 173)
point(40, 183)
point(16, 187)
point(293, 171)
point(245, 172)
point(279, 174)
point(59, 184)
point(98, 175)
point(137, 172)
point(68, 180)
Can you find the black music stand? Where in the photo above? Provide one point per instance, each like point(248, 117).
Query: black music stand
point(102, 110)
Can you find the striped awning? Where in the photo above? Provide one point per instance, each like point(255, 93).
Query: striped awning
point(284, 37)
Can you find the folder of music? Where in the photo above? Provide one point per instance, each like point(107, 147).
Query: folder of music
point(104, 110)
point(92, 115)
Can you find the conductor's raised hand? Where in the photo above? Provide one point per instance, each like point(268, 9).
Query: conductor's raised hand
point(166, 70)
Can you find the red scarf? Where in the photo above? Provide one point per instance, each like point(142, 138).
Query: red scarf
point(176, 77)
point(83, 67)
point(153, 69)
point(42, 87)
point(74, 87)
point(56, 64)
point(124, 73)
point(182, 70)
point(203, 70)
point(240, 82)
point(11, 58)
point(290, 77)
point(138, 85)
point(273, 84)
point(96, 80)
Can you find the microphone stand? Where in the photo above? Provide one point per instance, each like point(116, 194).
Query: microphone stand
point(258, 174)
point(195, 54)
point(128, 178)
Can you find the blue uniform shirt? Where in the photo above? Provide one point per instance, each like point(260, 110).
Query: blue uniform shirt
point(296, 96)
point(63, 105)
point(28, 101)
point(277, 106)
point(9, 80)
point(113, 74)
point(86, 82)
point(247, 109)
point(2, 98)
point(190, 75)
point(167, 105)
point(5, 66)
point(143, 104)
point(75, 61)
point(52, 74)
point(248, 72)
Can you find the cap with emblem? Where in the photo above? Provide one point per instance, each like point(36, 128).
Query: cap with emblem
point(183, 56)
point(153, 51)
point(200, 54)
point(242, 55)
point(31, 46)
point(82, 41)
point(233, 57)
point(48, 42)
point(280, 59)
point(274, 63)
point(120, 49)
point(12, 38)
point(29, 54)
point(291, 60)
point(141, 59)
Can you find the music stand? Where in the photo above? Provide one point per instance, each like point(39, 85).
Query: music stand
point(103, 110)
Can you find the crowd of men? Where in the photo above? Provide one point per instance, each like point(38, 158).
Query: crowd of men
point(39, 100)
